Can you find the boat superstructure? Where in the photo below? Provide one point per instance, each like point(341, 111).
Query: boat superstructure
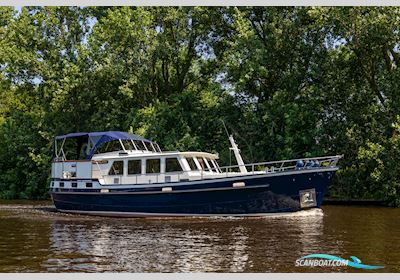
point(120, 174)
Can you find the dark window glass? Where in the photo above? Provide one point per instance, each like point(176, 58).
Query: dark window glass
point(139, 145)
point(148, 145)
point(202, 163)
point(74, 185)
point(135, 166)
point(210, 163)
point(205, 164)
point(172, 165)
point(62, 185)
point(128, 145)
point(89, 185)
point(117, 168)
point(111, 146)
point(214, 165)
point(191, 163)
point(153, 165)
point(75, 148)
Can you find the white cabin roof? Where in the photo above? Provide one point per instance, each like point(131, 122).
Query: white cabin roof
point(148, 154)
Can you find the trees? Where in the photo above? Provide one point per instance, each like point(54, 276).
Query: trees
point(369, 54)
point(42, 72)
point(322, 80)
point(290, 81)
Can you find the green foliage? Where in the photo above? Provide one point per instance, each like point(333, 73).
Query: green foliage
point(288, 81)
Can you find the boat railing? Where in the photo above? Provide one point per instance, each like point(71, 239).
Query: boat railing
point(284, 165)
point(232, 170)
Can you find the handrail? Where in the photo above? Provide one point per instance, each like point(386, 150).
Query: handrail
point(331, 159)
point(266, 168)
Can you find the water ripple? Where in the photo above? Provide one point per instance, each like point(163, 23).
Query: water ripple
point(36, 238)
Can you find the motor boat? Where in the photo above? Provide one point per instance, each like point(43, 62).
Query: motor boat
point(120, 174)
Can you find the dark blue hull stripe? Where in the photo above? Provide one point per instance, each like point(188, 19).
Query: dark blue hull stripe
point(164, 192)
point(273, 194)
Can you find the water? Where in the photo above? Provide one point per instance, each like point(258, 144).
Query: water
point(35, 238)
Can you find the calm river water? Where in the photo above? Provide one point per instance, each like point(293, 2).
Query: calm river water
point(35, 238)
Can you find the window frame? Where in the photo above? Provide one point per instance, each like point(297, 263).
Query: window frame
point(148, 146)
point(194, 162)
point(208, 166)
point(139, 145)
point(199, 160)
point(214, 163)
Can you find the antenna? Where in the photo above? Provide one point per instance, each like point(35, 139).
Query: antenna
point(226, 130)
point(236, 151)
point(230, 149)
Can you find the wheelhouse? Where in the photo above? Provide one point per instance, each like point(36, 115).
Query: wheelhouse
point(120, 158)
point(83, 146)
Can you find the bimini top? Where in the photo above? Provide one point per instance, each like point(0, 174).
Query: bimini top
point(99, 138)
point(109, 135)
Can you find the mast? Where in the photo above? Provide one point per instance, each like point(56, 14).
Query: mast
point(238, 157)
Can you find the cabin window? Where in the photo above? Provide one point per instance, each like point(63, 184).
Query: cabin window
point(111, 146)
point(215, 167)
point(135, 166)
point(153, 165)
point(76, 148)
point(191, 163)
point(207, 164)
point(148, 146)
point(128, 145)
point(139, 145)
point(158, 149)
point(117, 168)
point(172, 165)
point(202, 163)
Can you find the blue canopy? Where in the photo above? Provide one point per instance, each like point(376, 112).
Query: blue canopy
point(99, 138)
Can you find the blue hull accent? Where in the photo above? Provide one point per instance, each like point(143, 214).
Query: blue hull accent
point(262, 194)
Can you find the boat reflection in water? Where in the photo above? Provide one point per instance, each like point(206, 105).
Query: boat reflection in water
point(33, 240)
point(184, 245)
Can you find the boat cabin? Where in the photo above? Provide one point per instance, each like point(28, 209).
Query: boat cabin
point(119, 158)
